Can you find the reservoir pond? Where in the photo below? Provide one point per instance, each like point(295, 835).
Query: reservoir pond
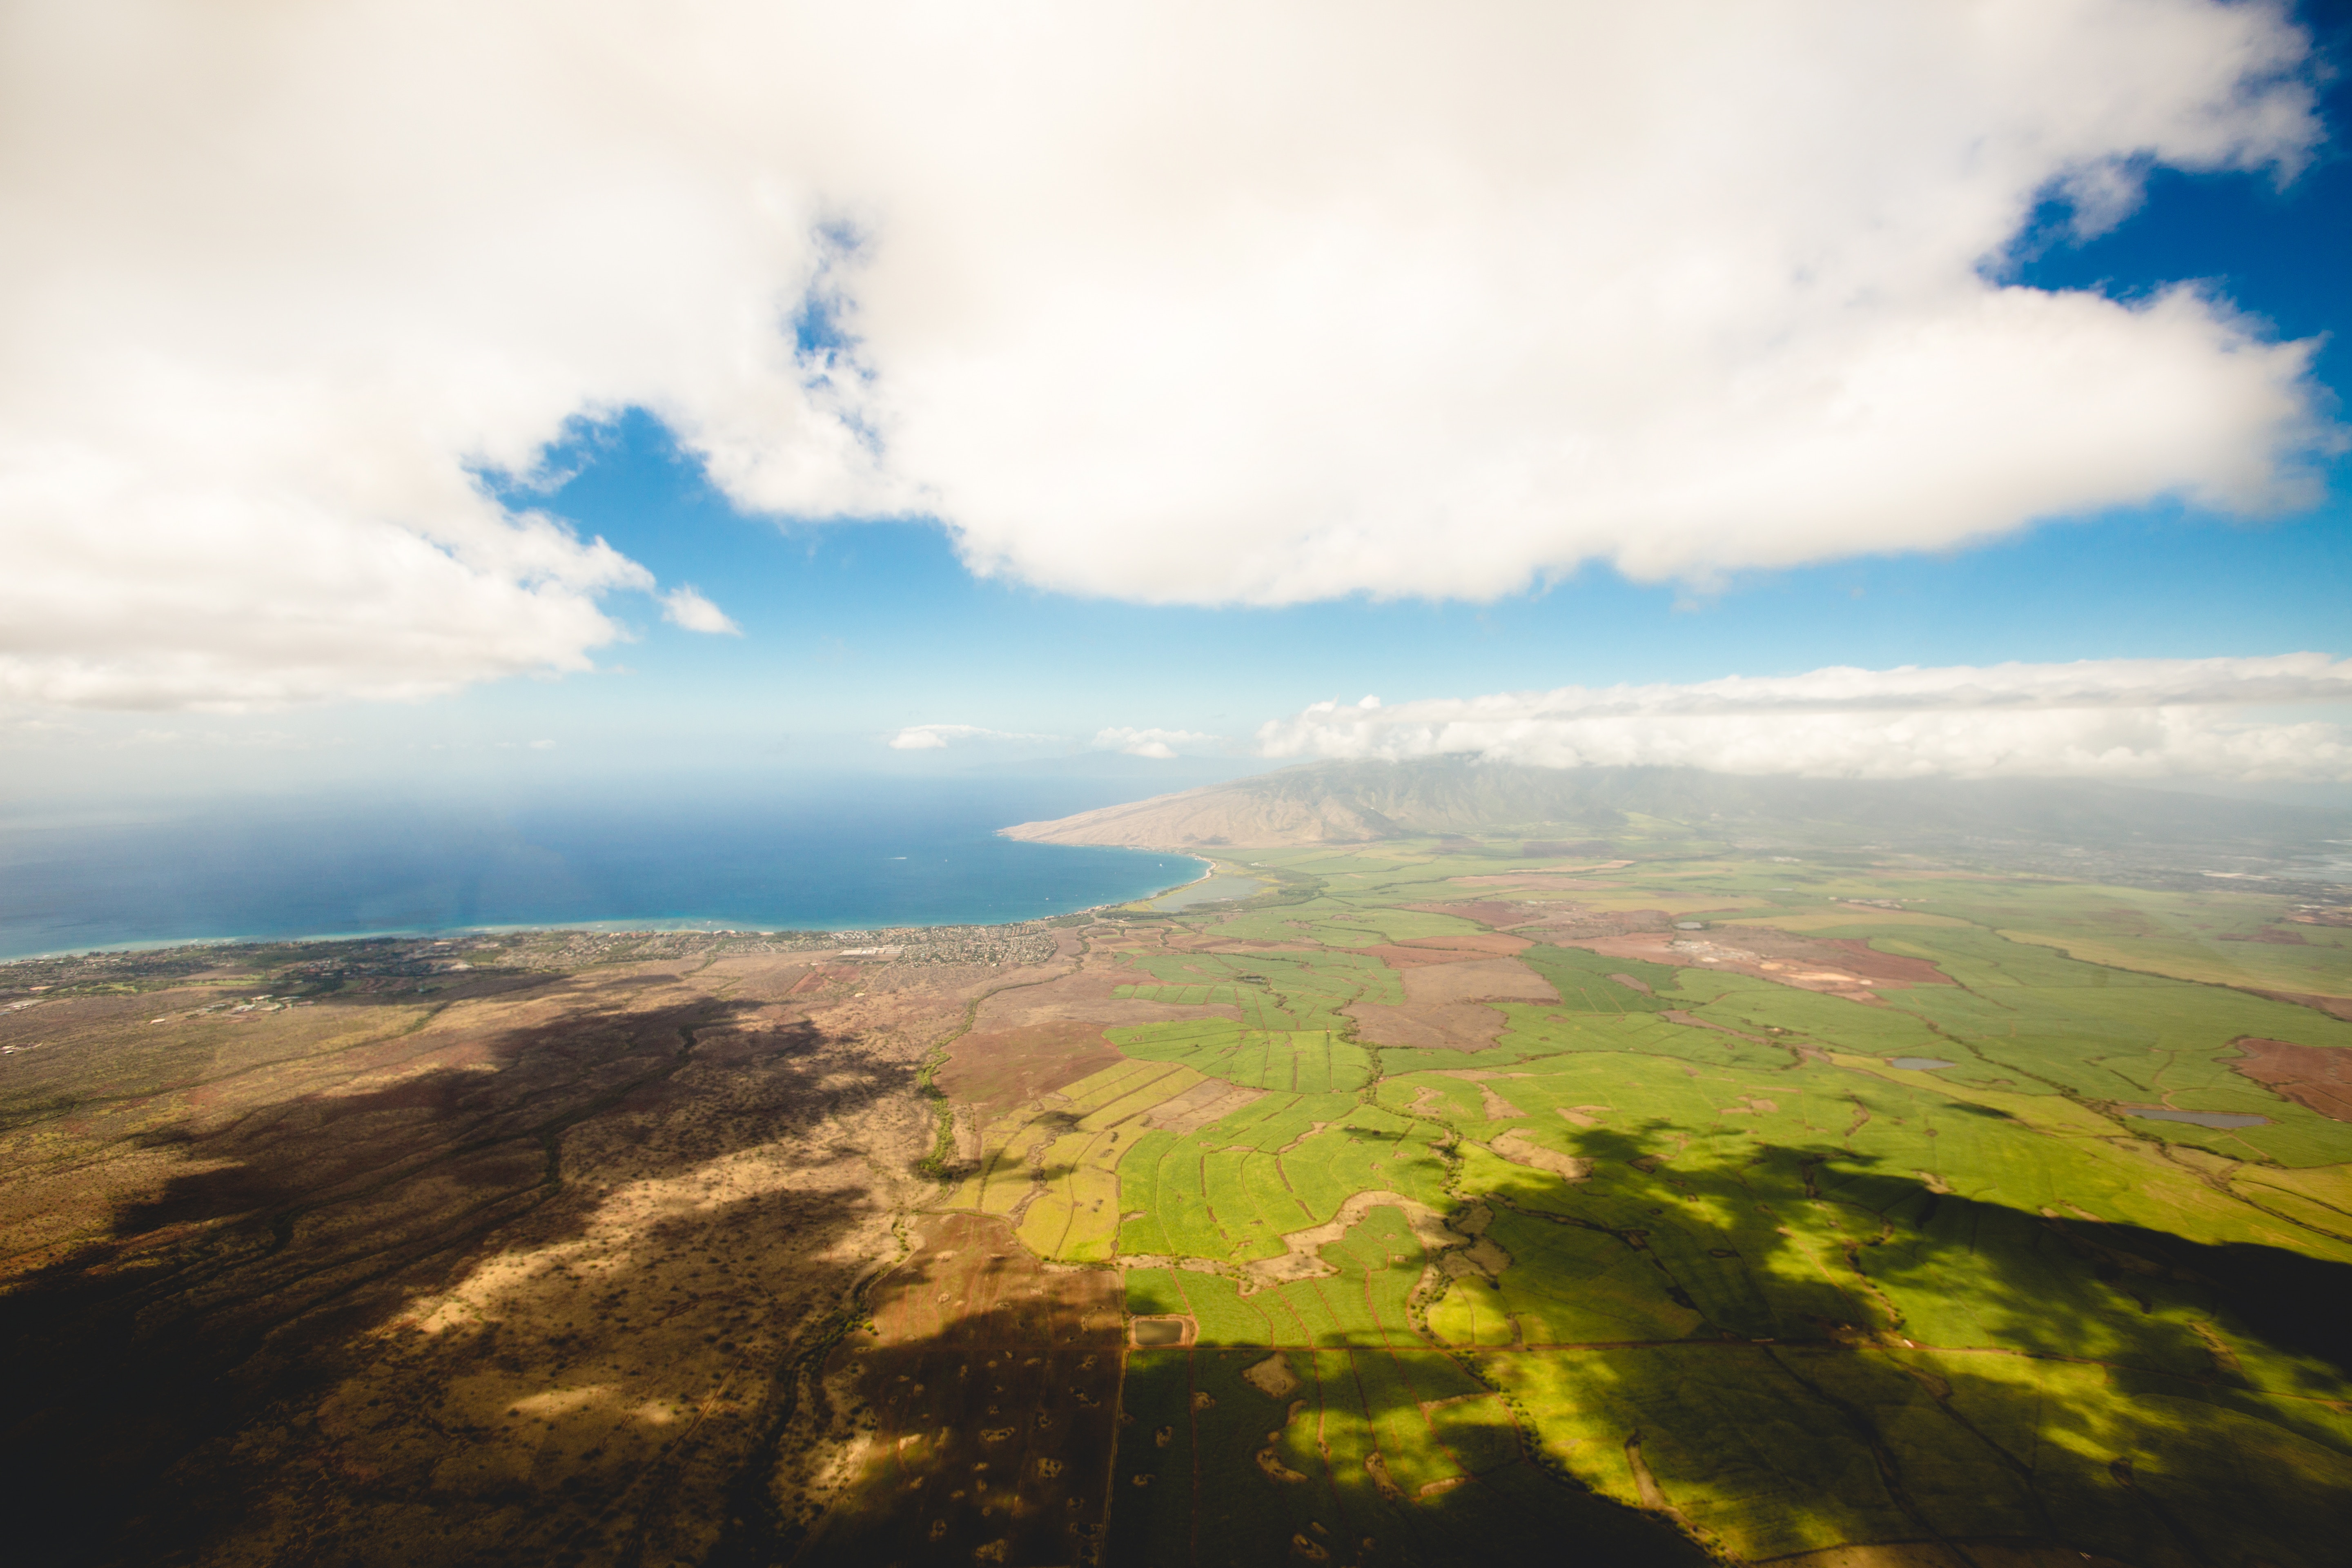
point(2217, 1119)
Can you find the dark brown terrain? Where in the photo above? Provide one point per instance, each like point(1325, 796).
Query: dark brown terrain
point(520, 1261)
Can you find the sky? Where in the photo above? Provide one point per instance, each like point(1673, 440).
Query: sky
point(520, 399)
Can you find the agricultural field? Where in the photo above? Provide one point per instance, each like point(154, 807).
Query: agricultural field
point(1668, 1205)
point(1439, 1201)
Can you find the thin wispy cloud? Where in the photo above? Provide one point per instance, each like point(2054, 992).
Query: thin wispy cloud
point(685, 607)
point(1205, 304)
point(1161, 745)
point(939, 737)
point(2116, 719)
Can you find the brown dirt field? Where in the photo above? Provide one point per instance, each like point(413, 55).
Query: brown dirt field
point(1476, 980)
point(1004, 1067)
point(1521, 1150)
point(1418, 950)
point(991, 1389)
point(2334, 1006)
point(1273, 1377)
point(1414, 957)
point(823, 977)
point(758, 978)
point(516, 1271)
point(2315, 1077)
point(1436, 1027)
point(1850, 953)
point(1486, 911)
point(1561, 922)
point(1086, 996)
point(1210, 1100)
point(1832, 968)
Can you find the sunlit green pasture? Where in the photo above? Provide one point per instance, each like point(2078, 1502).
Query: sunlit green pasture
point(1713, 1254)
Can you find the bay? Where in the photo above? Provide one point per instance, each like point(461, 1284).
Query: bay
point(818, 855)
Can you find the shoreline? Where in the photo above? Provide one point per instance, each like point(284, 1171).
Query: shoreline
point(678, 925)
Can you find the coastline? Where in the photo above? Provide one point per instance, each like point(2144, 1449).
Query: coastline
point(659, 926)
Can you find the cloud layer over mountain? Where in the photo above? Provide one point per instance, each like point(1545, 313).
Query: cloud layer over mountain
point(1207, 303)
point(2116, 719)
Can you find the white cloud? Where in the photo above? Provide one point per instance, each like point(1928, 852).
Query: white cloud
point(1213, 303)
point(1161, 745)
point(685, 607)
point(2124, 719)
point(937, 737)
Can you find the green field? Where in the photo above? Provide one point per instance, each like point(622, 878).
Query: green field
point(1687, 1265)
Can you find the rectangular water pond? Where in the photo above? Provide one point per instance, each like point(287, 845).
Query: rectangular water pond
point(2194, 1117)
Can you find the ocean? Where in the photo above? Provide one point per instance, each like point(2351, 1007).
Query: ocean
point(825, 855)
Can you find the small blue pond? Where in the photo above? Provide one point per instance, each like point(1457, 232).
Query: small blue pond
point(1919, 1064)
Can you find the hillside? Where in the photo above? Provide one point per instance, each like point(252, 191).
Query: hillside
point(1359, 802)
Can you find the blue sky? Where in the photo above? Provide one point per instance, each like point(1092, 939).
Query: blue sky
point(975, 440)
point(852, 630)
point(858, 630)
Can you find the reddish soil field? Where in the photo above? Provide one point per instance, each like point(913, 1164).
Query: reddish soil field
point(825, 975)
point(1441, 1025)
point(1477, 980)
point(1850, 953)
point(2310, 1076)
point(2334, 1006)
point(1088, 997)
point(992, 1387)
point(1418, 950)
point(1486, 911)
point(1840, 967)
point(1005, 1066)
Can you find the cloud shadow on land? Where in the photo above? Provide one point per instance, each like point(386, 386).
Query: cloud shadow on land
point(542, 1309)
point(993, 1410)
point(1867, 1358)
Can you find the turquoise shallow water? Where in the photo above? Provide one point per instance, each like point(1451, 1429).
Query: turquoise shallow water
point(842, 854)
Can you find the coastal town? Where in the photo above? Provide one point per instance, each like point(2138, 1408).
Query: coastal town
point(426, 964)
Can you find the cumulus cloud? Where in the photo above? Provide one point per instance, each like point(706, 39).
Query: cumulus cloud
point(1209, 303)
point(938, 737)
point(2120, 718)
point(685, 607)
point(1163, 745)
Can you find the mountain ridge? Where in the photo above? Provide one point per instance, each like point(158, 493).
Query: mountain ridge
point(1359, 802)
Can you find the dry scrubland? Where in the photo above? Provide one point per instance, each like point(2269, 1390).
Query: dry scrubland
point(1472, 1200)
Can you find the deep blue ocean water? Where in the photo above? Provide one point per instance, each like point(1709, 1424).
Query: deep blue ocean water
point(835, 855)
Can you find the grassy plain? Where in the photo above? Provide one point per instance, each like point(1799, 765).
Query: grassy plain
point(1835, 1221)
